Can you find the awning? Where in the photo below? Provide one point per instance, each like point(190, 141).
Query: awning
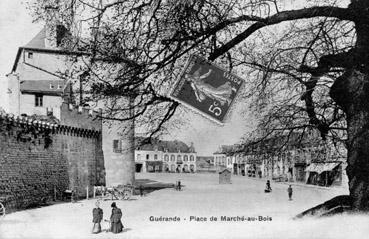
point(321, 167)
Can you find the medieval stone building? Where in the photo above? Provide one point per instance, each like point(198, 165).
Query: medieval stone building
point(41, 81)
point(52, 142)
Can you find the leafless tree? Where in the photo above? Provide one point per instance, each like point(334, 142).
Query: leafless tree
point(328, 61)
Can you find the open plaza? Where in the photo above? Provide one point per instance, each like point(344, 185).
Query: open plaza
point(202, 209)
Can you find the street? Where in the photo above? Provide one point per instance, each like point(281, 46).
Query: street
point(203, 209)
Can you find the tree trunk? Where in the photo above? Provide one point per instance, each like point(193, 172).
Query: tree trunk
point(351, 92)
point(358, 159)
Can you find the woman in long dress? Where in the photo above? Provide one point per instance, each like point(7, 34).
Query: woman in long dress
point(115, 219)
point(97, 216)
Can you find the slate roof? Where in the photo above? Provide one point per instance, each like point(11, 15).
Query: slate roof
point(38, 41)
point(225, 149)
point(47, 87)
point(37, 44)
point(165, 146)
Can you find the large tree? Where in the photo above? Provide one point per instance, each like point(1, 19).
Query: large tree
point(152, 38)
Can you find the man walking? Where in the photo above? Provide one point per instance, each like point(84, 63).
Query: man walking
point(289, 190)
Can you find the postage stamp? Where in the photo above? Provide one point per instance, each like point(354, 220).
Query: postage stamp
point(207, 88)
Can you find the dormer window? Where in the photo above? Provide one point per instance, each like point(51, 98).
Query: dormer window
point(51, 86)
point(59, 87)
point(30, 55)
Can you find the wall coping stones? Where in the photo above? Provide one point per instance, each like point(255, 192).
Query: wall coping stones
point(23, 120)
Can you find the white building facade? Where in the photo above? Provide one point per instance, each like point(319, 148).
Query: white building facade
point(166, 156)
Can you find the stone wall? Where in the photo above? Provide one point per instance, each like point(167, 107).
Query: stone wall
point(39, 159)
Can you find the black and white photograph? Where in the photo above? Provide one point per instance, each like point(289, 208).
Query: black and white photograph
point(184, 119)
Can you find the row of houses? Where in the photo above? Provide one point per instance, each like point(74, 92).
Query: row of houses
point(165, 156)
point(304, 159)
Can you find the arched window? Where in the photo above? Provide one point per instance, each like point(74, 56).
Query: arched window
point(179, 158)
point(166, 157)
point(172, 158)
point(185, 158)
point(192, 158)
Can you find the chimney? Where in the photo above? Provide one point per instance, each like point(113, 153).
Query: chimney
point(55, 30)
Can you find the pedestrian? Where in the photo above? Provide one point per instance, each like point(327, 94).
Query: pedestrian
point(289, 190)
point(179, 185)
point(116, 225)
point(268, 188)
point(97, 216)
point(141, 190)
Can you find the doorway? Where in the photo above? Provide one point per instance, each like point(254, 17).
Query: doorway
point(138, 167)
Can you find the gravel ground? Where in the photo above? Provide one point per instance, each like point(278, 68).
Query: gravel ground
point(242, 210)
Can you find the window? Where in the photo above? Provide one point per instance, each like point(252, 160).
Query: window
point(117, 146)
point(172, 158)
point(147, 156)
point(30, 55)
point(166, 158)
point(191, 158)
point(59, 87)
point(38, 100)
point(138, 156)
point(155, 156)
point(185, 158)
point(51, 86)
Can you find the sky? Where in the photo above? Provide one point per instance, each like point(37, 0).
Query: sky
point(17, 29)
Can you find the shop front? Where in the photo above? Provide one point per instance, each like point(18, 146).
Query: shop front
point(300, 174)
point(154, 166)
point(323, 174)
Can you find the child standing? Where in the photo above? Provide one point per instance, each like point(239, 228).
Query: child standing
point(97, 214)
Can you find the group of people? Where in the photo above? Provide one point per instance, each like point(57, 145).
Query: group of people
point(268, 189)
point(116, 225)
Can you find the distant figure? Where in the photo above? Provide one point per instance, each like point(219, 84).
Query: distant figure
point(116, 225)
point(289, 190)
point(268, 189)
point(141, 190)
point(179, 185)
point(259, 174)
point(97, 216)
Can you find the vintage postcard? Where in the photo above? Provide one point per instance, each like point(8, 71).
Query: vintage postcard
point(184, 119)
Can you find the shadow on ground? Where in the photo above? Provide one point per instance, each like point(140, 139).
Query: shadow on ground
point(145, 186)
point(334, 206)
